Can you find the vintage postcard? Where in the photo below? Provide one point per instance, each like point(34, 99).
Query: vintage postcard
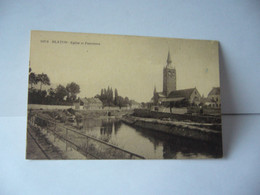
point(97, 96)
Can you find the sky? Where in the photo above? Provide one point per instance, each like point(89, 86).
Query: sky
point(132, 64)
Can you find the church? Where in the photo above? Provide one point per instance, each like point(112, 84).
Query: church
point(171, 97)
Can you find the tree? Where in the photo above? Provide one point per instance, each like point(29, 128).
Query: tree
point(61, 92)
point(51, 97)
point(105, 94)
point(73, 89)
point(43, 94)
point(126, 101)
point(110, 96)
point(116, 98)
point(120, 101)
point(102, 93)
point(43, 79)
point(97, 96)
point(33, 79)
point(51, 92)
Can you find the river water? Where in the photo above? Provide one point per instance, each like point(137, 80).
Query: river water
point(148, 143)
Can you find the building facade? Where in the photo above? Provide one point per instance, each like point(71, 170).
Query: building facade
point(92, 104)
point(213, 99)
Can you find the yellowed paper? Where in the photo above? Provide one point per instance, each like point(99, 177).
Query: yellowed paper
point(95, 96)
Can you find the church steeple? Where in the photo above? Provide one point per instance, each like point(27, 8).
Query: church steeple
point(169, 61)
point(169, 77)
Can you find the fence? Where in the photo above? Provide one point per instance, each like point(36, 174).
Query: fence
point(84, 144)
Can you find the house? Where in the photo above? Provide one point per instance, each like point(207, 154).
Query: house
point(213, 99)
point(134, 104)
point(92, 104)
point(76, 105)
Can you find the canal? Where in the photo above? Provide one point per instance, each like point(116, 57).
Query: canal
point(148, 143)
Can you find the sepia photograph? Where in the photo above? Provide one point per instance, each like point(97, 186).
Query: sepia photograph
point(98, 96)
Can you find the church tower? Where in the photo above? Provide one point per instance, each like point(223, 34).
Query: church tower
point(169, 77)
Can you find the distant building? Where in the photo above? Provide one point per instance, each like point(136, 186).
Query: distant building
point(213, 99)
point(170, 97)
point(135, 104)
point(92, 104)
point(76, 105)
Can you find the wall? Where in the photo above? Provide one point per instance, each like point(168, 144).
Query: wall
point(181, 117)
point(49, 107)
point(174, 110)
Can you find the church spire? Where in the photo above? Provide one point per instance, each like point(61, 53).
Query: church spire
point(169, 61)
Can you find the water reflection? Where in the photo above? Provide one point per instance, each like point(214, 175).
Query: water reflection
point(150, 144)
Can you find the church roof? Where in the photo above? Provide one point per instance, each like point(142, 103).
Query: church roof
point(186, 93)
point(214, 91)
point(161, 95)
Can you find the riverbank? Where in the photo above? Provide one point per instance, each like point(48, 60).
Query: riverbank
point(195, 117)
point(75, 137)
point(91, 134)
point(194, 130)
